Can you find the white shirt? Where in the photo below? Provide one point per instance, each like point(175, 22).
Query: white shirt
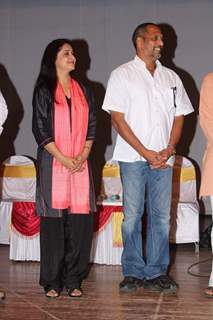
point(149, 104)
point(3, 111)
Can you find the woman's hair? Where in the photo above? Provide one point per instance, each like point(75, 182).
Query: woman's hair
point(47, 75)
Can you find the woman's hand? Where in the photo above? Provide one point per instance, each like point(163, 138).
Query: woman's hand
point(69, 163)
point(72, 164)
point(82, 157)
point(80, 164)
point(76, 164)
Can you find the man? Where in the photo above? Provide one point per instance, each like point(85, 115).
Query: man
point(147, 103)
point(3, 116)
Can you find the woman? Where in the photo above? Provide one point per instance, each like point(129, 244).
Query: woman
point(64, 128)
point(3, 117)
point(206, 122)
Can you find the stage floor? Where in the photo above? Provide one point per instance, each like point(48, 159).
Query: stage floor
point(101, 299)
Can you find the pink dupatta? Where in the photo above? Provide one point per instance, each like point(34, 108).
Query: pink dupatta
point(70, 191)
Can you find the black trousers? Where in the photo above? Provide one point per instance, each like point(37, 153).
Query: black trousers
point(65, 250)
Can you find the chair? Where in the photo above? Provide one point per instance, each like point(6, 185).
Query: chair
point(18, 183)
point(107, 219)
point(184, 226)
point(5, 221)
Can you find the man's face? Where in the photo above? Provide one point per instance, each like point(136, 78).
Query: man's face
point(152, 43)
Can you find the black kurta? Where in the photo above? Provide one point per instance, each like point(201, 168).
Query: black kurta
point(43, 130)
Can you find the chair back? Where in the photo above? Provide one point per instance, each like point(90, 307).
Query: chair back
point(18, 179)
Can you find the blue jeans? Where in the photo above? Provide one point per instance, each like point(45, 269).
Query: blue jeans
point(138, 180)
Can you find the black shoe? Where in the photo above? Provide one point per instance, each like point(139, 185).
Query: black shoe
point(130, 284)
point(162, 283)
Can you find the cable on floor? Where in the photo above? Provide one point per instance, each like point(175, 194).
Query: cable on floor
point(196, 264)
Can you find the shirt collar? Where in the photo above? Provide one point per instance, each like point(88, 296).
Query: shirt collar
point(140, 62)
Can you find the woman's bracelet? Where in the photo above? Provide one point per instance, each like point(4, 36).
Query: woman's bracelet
point(79, 158)
point(86, 147)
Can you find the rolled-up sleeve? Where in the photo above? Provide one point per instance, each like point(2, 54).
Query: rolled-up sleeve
point(116, 96)
point(183, 104)
point(42, 116)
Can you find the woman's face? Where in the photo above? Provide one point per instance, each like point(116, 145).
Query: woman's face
point(65, 60)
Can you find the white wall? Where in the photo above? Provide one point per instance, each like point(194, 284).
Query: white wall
point(26, 27)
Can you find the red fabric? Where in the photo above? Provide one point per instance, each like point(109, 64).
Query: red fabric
point(24, 219)
point(103, 215)
point(70, 190)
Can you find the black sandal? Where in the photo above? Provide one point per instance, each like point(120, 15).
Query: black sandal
point(2, 295)
point(52, 294)
point(74, 292)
